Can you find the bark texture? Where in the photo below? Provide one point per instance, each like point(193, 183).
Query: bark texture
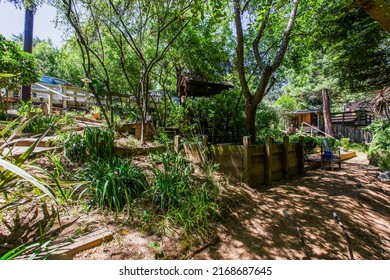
point(327, 116)
point(379, 10)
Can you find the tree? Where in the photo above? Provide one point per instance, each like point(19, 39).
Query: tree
point(379, 10)
point(47, 56)
point(136, 34)
point(30, 6)
point(341, 56)
point(13, 60)
point(267, 51)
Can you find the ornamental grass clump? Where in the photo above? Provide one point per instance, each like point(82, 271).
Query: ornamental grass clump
point(114, 183)
point(99, 142)
point(178, 197)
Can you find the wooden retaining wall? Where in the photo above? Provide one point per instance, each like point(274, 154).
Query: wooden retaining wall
point(254, 164)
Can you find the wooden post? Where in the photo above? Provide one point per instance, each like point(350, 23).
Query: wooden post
point(64, 98)
point(50, 109)
point(86, 99)
point(301, 155)
point(75, 98)
point(247, 160)
point(286, 162)
point(268, 160)
point(176, 144)
point(204, 151)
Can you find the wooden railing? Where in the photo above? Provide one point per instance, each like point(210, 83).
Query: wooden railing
point(313, 128)
point(359, 117)
point(62, 96)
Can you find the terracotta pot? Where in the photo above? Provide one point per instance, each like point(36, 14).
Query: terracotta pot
point(11, 99)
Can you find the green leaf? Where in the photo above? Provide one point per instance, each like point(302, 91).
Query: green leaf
point(28, 177)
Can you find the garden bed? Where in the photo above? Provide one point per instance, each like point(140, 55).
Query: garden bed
point(253, 226)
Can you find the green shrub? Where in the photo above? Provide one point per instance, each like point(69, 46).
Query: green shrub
point(345, 143)
point(114, 183)
point(267, 120)
point(99, 142)
point(173, 181)
point(27, 109)
point(75, 148)
point(293, 138)
point(177, 195)
point(358, 147)
point(162, 138)
point(379, 150)
point(310, 144)
point(40, 124)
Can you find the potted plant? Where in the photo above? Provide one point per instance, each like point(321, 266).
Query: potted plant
point(96, 112)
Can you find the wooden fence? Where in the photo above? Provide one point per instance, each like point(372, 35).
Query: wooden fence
point(254, 164)
point(355, 133)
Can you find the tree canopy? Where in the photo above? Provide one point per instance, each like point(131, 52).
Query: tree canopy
point(13, 60)
point(267, 48)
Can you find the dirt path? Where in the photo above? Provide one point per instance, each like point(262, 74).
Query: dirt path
point(253, 224)
point(256, 228)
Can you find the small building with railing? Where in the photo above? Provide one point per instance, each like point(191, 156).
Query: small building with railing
point(310, 121)
point(56, 96)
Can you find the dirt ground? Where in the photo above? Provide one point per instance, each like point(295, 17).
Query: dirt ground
point(253, 224)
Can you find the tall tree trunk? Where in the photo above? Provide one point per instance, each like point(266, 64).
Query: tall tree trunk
point(250, 123)
point(379, 10)
point(326, 109)
point(145, 95)
point(27, 46)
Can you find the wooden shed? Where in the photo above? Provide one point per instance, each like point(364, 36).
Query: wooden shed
point(306, 118)
point(197, 86)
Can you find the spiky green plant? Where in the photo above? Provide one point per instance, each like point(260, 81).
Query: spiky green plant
point(32, 251)
point(181, 199)
point(13, 171)
point(99, 142)
point(113, 183)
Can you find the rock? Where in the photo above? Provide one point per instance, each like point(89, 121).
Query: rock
point(384, 176)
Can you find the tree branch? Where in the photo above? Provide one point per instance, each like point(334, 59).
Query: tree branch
point(286, 37)
point(260, 34)
point(240, 50)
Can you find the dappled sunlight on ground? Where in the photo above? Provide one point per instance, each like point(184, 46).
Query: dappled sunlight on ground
point(252, 223)
point(256, 222)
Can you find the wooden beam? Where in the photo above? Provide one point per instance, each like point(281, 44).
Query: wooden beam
point(301, 155)
point(286, 162)
point(247, 160)
point(176, 144)
point(64, 97)
point(50, 109)
point(268, 160)
point(83, 243)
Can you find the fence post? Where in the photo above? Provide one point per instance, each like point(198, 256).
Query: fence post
point(75, 98)
point(86, 99)
point(50, 109)
point(301, 155)
point(247, 160)
point(176, 144)
point(268, 160)
point(204, 150)
point(286, 159)
point(64, 99)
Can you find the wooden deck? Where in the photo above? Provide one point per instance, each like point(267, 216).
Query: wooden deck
point(58, 97)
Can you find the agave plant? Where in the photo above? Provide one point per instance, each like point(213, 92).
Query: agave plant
point(15, 171)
